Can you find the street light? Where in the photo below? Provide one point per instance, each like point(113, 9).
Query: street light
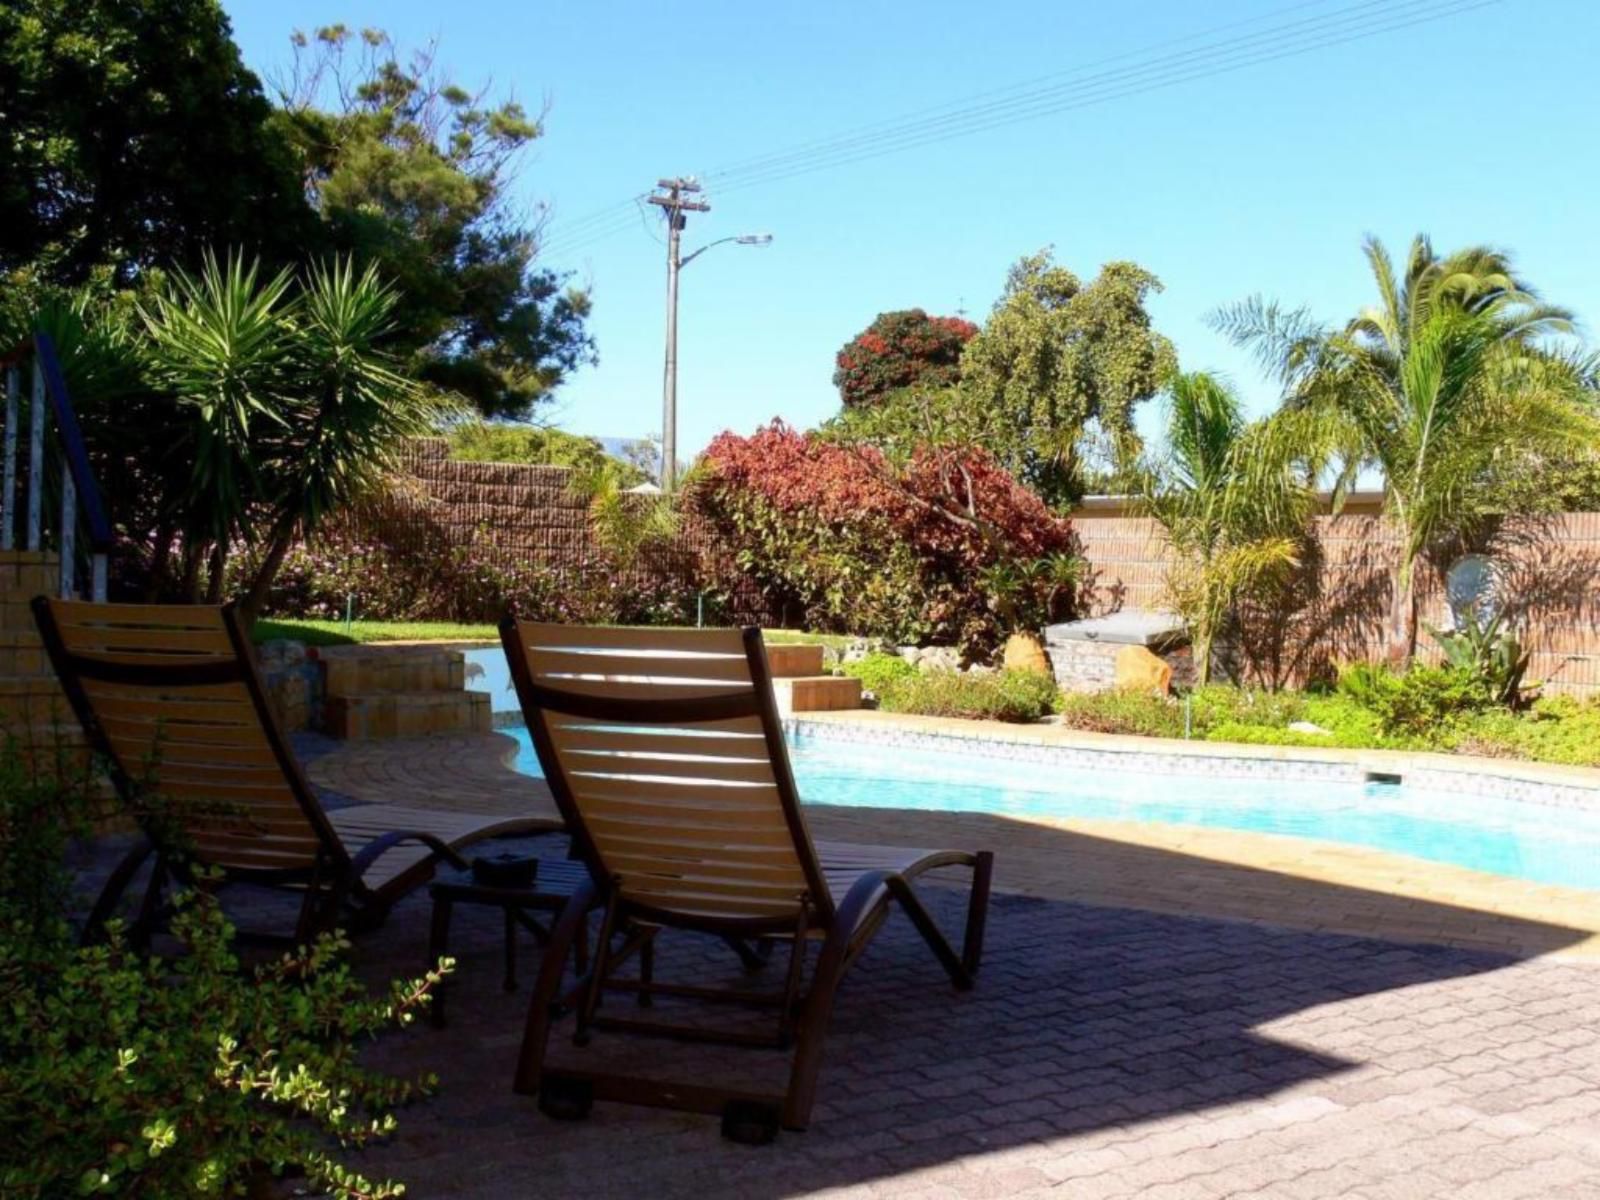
point(744, 239)
point(669, 389)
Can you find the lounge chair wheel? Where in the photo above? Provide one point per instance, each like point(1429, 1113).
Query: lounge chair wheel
point(562, 1098)
point(750, 1122)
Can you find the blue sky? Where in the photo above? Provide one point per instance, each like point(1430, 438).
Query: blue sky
point(1476, 126)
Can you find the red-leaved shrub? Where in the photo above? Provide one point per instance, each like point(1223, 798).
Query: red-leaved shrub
point(848, 541)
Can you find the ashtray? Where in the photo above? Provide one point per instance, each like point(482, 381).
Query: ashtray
point(505, 870)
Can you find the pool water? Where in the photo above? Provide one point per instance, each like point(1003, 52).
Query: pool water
point(1545, 844)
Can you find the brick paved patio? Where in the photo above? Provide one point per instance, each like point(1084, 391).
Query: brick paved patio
point(1106, 1052)
point(1159, 1017)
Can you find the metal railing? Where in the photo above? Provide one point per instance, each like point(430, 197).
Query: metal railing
point(56, 477)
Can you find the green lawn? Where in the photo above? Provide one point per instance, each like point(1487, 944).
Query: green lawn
point(334, 633)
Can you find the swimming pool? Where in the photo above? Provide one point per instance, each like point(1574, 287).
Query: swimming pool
point(1545, 844)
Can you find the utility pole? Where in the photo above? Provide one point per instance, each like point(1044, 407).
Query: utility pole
point(679, 198)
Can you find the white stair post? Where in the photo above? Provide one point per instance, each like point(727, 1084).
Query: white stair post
point(8, 503)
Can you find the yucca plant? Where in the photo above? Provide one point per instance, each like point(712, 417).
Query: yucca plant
point(220, 345)
point(1232, 499)
point(1449, 378)
point(347, 407)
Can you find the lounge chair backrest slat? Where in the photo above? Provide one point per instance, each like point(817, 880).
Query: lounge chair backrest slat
point(658, 746)
point(173, 700)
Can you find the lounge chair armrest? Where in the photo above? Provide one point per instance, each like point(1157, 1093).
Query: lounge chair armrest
point(861, 903)
point(382, 844)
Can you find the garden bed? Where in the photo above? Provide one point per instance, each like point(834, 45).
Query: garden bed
point(1553, 730)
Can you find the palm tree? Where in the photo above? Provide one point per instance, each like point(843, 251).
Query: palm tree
point(624, 522)
point(1451, 374)
point(1232, 499)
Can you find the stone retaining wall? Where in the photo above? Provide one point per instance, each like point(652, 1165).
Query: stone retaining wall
point(523, 515)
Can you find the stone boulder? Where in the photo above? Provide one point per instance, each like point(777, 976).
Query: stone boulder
point(1024, 652)
point(1139, 668)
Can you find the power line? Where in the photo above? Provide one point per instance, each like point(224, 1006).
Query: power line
point(1070, 90)
point(562, 244)
point(604, 222)
point(956, 108)
point(1415, 12)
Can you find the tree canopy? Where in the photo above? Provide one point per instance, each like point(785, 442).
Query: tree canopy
point(1059, 360)
point(135, 137)
point(411, 171)
point(902, 349)
point(136, 142)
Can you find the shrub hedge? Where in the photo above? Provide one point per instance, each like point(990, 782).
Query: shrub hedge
point(1425, 709)
point(848, 541)
point(1020, 697)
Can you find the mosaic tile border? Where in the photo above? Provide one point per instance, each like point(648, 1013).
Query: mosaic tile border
point(1228, 766)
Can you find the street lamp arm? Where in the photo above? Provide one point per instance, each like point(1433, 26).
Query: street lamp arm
point(745, 239)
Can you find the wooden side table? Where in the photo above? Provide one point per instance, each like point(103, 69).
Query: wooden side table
point(552, 887)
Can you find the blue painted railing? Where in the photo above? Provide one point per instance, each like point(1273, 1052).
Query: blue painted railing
point(82, 530)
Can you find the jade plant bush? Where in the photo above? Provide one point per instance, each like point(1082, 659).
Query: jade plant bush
point(126, 1073)
point(879, 672)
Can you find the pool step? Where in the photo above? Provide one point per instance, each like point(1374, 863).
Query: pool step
point(368, 670)
point(399, 691)
point(406, 714)
point(816, 693)
point(793, 661)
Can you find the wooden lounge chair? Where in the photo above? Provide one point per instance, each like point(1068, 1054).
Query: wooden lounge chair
point(171, 697)
point(666, 756)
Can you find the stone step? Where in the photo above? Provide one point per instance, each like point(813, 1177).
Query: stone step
point(406, 714)
point(816, 693)
point(793, 661)
point(368, 670)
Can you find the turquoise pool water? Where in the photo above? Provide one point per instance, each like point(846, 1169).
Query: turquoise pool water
point(1546, 844)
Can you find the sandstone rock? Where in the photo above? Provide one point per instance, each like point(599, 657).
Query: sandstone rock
point(1025, 653)
point(1138, 668)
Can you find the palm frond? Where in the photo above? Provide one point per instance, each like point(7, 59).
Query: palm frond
point(1287, 343)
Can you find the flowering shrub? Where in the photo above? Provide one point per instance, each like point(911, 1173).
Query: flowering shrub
point(848, 541)
point(898, 350)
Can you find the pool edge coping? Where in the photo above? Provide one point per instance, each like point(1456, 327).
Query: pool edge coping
point(1542, 783)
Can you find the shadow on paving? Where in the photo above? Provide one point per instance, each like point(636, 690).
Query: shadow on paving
point(1085, 1017)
